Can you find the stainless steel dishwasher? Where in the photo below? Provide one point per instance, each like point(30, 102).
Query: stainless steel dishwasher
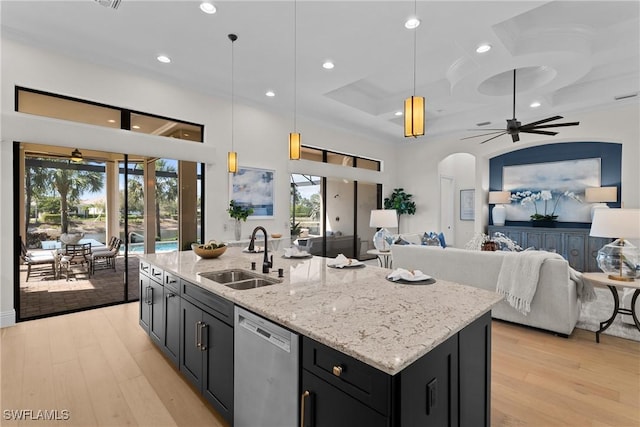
point(266, 362)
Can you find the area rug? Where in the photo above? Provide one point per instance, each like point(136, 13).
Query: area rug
point(599, 310)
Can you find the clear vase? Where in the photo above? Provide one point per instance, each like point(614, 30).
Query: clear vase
point(238, 229)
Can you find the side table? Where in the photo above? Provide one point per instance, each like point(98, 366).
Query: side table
point(384, 258)
point(602, 280)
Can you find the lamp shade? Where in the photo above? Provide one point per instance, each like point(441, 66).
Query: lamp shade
point(601, 194)
point(414, 116)
point(499, 197)
point(383, 218)
point(232, 162)
point(294, 146)
point(616, 223)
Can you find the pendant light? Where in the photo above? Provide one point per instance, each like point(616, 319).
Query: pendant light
point(232, 156)
point(76, 156)
point(294, 137)
point(414, 105)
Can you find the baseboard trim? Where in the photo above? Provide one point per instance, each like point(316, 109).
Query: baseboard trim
point(7, 318)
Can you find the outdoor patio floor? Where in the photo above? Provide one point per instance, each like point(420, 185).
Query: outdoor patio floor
point(44, 295)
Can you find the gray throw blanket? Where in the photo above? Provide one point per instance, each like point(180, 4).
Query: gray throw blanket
point(584, 288)
point(518, 277)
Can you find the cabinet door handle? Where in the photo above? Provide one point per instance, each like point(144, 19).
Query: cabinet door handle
point(149, 295)
point(303, 398)
point(203, 346)
point(198, 333)
point(170, 295)
point(337, 370)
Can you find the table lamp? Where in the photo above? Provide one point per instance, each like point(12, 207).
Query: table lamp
point(619, 258)
point(599, 196)
point(499, 199)
point(383, 218)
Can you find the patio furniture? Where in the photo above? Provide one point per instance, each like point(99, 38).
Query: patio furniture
point(36, 258)
point(106, 258)
point(72, 255)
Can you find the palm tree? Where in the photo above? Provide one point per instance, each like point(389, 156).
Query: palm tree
point(166, 191)
point(35, 179)
point(70, 184)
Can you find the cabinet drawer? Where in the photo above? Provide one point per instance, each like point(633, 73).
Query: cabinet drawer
point(215, 305)
point(145, 268)
point(172, 282)
point(361, 381)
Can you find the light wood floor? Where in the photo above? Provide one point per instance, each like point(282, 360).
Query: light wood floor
point(101, 367)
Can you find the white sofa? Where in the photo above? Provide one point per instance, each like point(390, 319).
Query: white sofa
point(555, 306)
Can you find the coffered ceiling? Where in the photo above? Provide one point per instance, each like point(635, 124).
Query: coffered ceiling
point(573, 55)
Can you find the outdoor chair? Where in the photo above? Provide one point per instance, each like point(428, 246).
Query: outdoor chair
point(71, 255)
point(106, 258)
point(36, 258)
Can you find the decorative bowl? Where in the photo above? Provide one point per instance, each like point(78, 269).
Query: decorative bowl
point(208, 253)
point(276, 235)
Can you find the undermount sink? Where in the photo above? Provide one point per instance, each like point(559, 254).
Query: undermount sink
point(239, 279)
point(251, 283)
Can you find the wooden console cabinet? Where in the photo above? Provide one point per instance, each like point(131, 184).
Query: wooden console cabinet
point(574, 244)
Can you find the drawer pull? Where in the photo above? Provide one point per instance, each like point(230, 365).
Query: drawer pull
point(337, 370)
point(302, 400)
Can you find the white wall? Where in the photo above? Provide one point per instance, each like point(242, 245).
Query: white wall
point(260, 138)
point(420, 160)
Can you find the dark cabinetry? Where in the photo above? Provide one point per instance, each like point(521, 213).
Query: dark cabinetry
point(574, 244)
point(447, 386)
point(194, 329)
point(151, 302)
point(206, 348)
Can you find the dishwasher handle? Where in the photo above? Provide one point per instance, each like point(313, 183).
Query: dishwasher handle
point(306, 419)
point(275, 339)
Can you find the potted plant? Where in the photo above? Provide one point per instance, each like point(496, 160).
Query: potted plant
point(239, 213)
point(401, 202)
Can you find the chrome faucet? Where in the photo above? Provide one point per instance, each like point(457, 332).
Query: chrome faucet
point(267, 262)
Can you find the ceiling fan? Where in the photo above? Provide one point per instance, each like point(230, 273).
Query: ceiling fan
point(514, 127)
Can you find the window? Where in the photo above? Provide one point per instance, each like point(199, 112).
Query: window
point(76, 110)
point(347, 160)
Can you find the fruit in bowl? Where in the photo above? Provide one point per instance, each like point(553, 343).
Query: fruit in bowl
point(211, 249)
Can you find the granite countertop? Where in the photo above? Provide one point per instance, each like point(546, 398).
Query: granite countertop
point(353, 310)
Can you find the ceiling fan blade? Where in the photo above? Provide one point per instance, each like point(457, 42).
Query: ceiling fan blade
point(539, 122)
point(484, 134)
point(515, 137)
point(540, 132)
point(487, 140)
point(552, 126)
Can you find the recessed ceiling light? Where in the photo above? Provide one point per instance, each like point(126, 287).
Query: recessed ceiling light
point(398, 113)
point(270, 93)
point(483, 48)
point(412, 23)
point(164, 59)
point(328, 65)
point(207, 7)
point(535, 104)
point(135, 127)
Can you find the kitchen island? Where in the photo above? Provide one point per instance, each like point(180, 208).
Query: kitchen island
point(419, 354)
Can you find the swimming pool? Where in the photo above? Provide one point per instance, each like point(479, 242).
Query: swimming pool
point(138, 248)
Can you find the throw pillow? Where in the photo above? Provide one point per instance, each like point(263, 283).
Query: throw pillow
point(430, 239)
point(401, 241)
point(441, 238)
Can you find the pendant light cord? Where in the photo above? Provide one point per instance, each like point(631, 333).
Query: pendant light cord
point(233, 38)
point(415, 38)
point(295, 64)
